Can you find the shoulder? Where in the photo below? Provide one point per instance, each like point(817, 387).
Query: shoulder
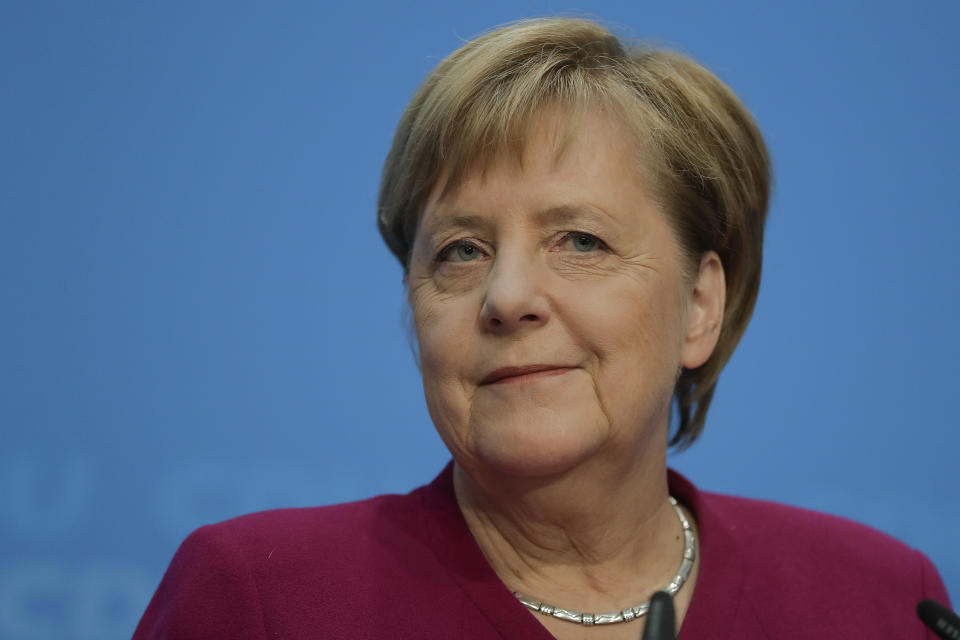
point(828, 572)
point(346, 523)
point(771, 529)
point(286, 567)
point(326, 540)
point(777, 537)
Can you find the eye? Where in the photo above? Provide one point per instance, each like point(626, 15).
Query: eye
point(582, 242)
point(459, 251)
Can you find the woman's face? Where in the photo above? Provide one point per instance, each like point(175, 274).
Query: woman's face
point(551, 307)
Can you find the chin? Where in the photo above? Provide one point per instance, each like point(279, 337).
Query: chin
point(530, 447)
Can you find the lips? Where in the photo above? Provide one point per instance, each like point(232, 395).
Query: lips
point(506, 373)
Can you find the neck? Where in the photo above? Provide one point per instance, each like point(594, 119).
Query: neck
point(598, 537)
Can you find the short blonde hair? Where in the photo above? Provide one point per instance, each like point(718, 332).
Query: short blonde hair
point(704, 157)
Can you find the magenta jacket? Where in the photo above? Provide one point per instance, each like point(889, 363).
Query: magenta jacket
point(406, 566)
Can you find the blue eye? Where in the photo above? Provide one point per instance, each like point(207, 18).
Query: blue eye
point(584, 242)
point(467, 252)
point(460, 252)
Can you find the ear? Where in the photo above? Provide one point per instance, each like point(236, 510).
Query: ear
point(705, 308)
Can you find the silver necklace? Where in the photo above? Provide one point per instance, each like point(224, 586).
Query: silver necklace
point(630, 613)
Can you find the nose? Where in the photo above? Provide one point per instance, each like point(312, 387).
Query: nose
point(515, 298)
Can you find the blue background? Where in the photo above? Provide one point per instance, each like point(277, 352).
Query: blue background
point(198, 318)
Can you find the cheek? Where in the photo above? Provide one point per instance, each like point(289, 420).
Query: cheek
point(435, 321)
point(634, 318)
point(443, 350)
point(440, 323)
point(634, 332)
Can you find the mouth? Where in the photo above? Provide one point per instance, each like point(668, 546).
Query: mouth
point(520, 374)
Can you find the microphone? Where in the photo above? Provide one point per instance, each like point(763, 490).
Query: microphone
point(939, 619)
point(661, 620)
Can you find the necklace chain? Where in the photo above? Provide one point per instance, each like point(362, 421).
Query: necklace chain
point(630, 613)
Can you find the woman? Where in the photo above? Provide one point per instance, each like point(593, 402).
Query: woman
point(580, 228)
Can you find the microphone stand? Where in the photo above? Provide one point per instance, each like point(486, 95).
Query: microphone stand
point(939, 619)
point(661, 619)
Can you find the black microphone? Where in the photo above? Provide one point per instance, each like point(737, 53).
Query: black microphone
point(941, 620)
point(661, 620)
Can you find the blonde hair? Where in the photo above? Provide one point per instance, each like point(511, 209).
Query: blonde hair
point(705, 158)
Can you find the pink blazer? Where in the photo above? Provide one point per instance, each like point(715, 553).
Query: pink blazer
point(406, 566)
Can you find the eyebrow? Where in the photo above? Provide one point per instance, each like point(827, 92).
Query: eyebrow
point(565, 213)
point(467, 221)
point(556, 215)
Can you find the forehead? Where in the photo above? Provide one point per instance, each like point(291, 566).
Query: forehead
point(565, 161)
